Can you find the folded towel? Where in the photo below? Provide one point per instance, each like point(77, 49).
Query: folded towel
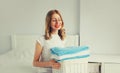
point(85, 52)
point(76, 57)
point(67, 50)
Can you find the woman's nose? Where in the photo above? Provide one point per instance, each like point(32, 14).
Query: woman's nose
point(57, 21)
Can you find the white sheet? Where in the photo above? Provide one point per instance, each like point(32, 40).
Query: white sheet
point(11, 64)
point(16, 67)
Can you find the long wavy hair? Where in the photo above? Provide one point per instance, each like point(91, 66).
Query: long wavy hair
point(48, 29)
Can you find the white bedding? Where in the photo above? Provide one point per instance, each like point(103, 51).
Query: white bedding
point(19, 59)
point(16, 67)
point(9, 63)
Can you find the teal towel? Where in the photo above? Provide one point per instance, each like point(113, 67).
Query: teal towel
point(68, 50)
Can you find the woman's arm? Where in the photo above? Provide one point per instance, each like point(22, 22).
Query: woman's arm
point(37, 63)
point(37, 54)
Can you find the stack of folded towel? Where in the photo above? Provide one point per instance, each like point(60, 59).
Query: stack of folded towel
point(61, 54)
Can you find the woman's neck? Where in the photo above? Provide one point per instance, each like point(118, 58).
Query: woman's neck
point(55, 32)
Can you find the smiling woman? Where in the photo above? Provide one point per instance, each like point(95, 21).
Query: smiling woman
point(54, 37)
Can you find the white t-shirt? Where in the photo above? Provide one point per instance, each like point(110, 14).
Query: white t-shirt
point(55, 41)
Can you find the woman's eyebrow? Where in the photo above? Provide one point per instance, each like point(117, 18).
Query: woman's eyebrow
point(56, 18)
point(53, 18)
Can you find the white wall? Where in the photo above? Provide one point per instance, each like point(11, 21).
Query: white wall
point(27, 17)
point(100, 26)
point(99, 21)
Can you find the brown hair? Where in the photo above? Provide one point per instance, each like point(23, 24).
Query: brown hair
point(48, 29)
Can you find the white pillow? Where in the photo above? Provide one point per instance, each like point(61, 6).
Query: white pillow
point(23, 46)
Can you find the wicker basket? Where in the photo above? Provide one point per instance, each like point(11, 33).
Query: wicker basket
point(73, 66)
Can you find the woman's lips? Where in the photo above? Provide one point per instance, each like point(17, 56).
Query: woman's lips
point(57, 25)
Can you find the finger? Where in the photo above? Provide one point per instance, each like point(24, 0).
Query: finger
point(56, 66)
point(53, 61)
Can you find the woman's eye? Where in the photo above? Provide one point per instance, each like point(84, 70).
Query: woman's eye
point(56, 20)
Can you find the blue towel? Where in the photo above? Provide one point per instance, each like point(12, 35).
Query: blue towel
point(68, 50)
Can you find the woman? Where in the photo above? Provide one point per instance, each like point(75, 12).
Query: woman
point(54, 37)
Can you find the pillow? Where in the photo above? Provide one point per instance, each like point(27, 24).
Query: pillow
point(23, 46)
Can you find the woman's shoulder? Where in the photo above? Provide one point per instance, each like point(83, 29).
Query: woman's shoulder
point(41, 39)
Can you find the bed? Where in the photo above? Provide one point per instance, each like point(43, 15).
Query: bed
point(19, 58)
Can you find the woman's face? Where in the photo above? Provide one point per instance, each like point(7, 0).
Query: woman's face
point(56, 22)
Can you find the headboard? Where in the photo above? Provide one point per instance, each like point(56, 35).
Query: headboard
point(23, 45)
point(28, 41)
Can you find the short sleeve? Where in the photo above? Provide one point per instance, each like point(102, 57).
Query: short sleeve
point(64, 42)
point(41, 41)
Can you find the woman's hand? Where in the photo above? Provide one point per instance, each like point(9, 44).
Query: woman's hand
point(54, 64)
